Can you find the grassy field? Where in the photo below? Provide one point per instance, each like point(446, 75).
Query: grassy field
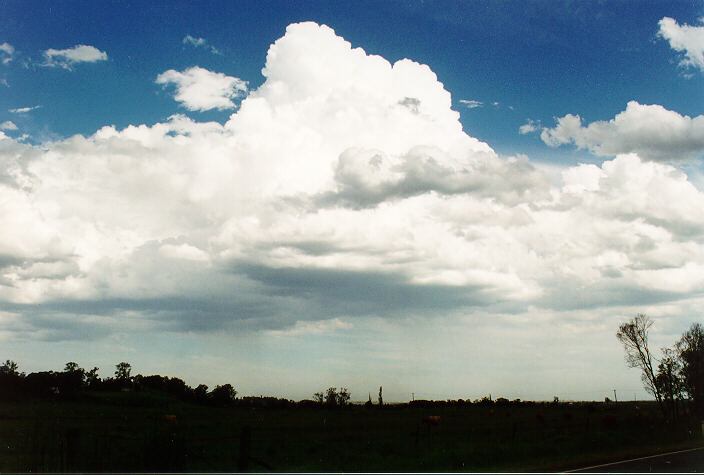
point(154, 432)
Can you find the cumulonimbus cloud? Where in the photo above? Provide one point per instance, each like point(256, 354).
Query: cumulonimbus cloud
point(199, 89)
point(343, 186)
point(651, 131)
point(67, 58)
point(686, 39)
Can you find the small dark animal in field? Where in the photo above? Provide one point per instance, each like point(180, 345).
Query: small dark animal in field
point(431, 421)
point(169, 418)
point(425, 426)
point(424, 429)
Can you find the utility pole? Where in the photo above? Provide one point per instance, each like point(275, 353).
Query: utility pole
point(413, 396)
point(615, 398)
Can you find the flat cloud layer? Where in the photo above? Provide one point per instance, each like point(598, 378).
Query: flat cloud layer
point(344, 186)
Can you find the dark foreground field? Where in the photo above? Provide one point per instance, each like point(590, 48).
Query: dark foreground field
point(153, 432)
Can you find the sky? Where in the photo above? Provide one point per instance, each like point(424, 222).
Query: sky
point(446, 199)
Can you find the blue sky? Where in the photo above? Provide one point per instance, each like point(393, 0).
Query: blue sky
point(234, 192)
point(542, 59)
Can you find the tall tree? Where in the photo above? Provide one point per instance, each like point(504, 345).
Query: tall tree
point(634, 336)
point(223, 395)
point(668, 379)
point(331, 396)
point(72, 366)
point(343, 397)
point(691, 352)
point(92, 377)
point(122, 371)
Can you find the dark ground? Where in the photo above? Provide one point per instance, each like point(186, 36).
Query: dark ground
point(151, 431)
point(687, 461)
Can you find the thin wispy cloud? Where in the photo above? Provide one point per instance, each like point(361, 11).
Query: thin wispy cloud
point(23, 110)
point(471, 104)
point(200, 43)
point(7, 52)
point(8, 125)
point(67, 58)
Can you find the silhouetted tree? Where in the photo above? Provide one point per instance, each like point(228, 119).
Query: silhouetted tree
point(343, 397)
point(11, 381)
point(223, 395)
point(319, 398)
point(634, 336)
point(668, 379)
point(331, 396)
point(201, 393)
point(72, 366)
point(9, 367)
point(177, 387)
point(92, 378)
point(691, 353)
point(485, 401)
point(381, 399)
point(42, 383)
point(122, 371)
point(502, 401)
point(70, 382)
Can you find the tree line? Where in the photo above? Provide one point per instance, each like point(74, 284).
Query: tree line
point(74, 381)
point(676, 379)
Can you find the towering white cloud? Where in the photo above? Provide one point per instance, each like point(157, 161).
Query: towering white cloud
point(343, 186)
point(686, 39)
point(652, 131)
point(67, 58)
point(199, 89)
